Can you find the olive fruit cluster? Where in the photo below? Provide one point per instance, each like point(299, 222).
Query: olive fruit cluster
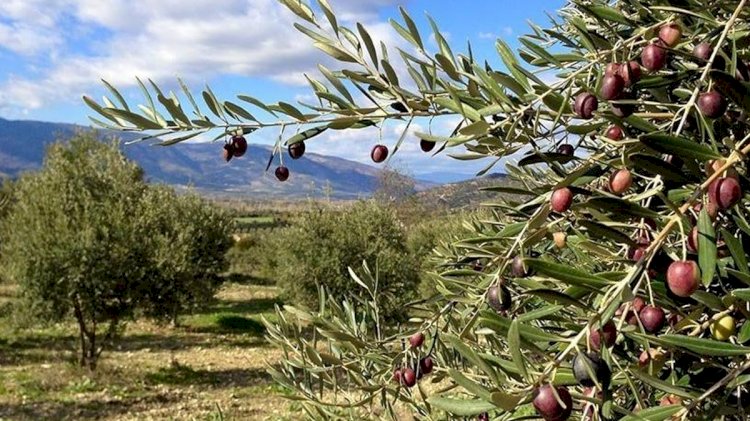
point(408, 376)
point(235, 148)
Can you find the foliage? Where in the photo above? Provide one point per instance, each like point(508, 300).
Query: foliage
point(255, 253)
point(432, 233)
point(190, 240)
point(323, 244)
point(87, 238)
point(677, 143)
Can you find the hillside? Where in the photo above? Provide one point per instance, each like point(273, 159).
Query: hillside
point(22, 145)
point(465, 194)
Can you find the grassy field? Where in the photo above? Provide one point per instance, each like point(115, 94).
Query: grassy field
point(212, 366)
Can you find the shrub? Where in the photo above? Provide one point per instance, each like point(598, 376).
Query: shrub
point(323, 244)
point(255, 255)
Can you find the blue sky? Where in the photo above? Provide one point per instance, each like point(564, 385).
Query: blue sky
point(52, 51)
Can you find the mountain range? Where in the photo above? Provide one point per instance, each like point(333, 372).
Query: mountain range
point(200, 165)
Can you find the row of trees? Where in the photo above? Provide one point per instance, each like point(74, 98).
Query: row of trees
point(85, 237)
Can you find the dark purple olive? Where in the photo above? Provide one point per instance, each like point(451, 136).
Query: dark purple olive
point(228, 151)
point(547, 405)
point(565, 149)
point(615, 133)
point(585, 105)
point(670, 34)
point(712, 104)
point(703, 51)
point(296, 150)
point(630, 73)
point(612, 69)
point(586, 365)
point(654, 57)
point(518, 268)
point(623, 110)
point(379, 153)
point(652, 318)
point(240, 146)
point(408, 377)
point(425, 366)
point(612, 87)
point(725, 192)
point(426, 145)
point(282, 173)
point(499, 298)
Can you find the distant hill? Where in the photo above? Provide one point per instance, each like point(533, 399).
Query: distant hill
point(22, 146)
point(464, 194)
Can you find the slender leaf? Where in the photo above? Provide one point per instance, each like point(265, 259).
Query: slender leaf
point(514, 346)
point(567, 274)
point(461, 407)
point(471, 386)
point(307, 134)
point(367, 39)
point(137, 120)
point(700, 346)
point(679, 146)
point(707, 251)
point(657, 413)
point(732, 88)
point(735, 248)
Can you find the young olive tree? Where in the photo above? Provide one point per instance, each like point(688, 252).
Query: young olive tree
point(190, 239)
point(612, 284)
point(86, 237)
point(73, 240)
point(323, 244)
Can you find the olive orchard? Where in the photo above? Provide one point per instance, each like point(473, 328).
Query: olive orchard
point(610, 285)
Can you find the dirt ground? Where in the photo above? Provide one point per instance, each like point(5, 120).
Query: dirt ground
point(212, 367)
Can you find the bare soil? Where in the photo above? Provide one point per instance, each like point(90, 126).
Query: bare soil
point(211, 367)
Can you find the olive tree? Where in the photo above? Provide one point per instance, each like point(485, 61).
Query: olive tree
point(190, 240)
point(73, 240)
point(323, 243)
point(612, 282)
point(86, 237)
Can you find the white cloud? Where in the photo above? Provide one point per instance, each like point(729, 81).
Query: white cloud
point(505, 31)
point(27, 39)
point(198, 39)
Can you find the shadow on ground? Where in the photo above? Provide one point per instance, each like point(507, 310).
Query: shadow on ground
point(252, 306)
point(184, 375)
point(94, 409)
point(232, 324)
point(244, 279)
point(36, 350)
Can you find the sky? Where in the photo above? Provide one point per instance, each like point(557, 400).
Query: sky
point(54, 51)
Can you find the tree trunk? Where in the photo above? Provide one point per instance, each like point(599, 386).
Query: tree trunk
point(81, 330)
point(175, 316)
point(87, 337)
point(93, 355)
